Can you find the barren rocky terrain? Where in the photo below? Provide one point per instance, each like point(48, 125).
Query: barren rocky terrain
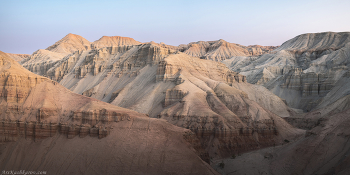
point(44, 126)
point(304, 71)
point(241, 109)
point(162, 82)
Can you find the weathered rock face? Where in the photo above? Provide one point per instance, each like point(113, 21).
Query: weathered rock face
point(113, 41)
point(324, 149)
point(223, 117)
point(36, 108)
point(302, 71)
point(330, 136)
point(25, 115)
point(41, 61)
point(110, 60)
point(259, 50)
point(173, 96)
point(138, 138)
point(316, 41)
point(18, 57)
point(222, 50)
point(165, 83)
point(69, 44)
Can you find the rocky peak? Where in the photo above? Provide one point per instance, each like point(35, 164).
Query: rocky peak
point(221, 50)
point(317, 41)
point(114, 41)
point(69, 44)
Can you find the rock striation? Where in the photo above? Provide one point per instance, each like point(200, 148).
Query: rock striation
point(41, 61)
point(162, 82)
point(18, 57)
point(113, 41)
point(171, 85)
point(69, 44)
point(221, 50)
point(198, 94)
point(44, 125)
point(32, 108)
point(302, 70)
point(214, 109)
point(324, 149)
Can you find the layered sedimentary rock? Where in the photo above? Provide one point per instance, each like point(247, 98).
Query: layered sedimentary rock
point(188, 92)
point(302, 70)
point(41, 61)
point(222, 50)
point(18, 57)
point(259, 50)
point(324, 149)
point(69, 44)
point(113, 41)
point(107, 61)
point(66, 126)
point(32, 107)
point(218, 113)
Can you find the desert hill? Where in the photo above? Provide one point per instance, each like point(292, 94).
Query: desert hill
point(114, 41)
point(222, 50)
point(42, 60)
point(44, 126)
point(70, 43)
point(189, 92)
point(217, 102)
point(18, 57)
point(213, 50)
point(323, 150)
point(303, 70)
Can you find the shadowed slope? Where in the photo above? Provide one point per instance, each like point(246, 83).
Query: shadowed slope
point(325, 149)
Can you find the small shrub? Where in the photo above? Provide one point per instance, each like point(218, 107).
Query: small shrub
point(233, 156)
point(285, 140)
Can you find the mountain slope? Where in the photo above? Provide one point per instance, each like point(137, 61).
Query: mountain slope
point(69, 44)
point(302, 70)
point(222, 50)
point(186, 91)
point(66, 126)
point(325, 149)
point(18, 57)
point(113, 41)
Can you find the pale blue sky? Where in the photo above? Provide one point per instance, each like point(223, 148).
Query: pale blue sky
point(26, 26)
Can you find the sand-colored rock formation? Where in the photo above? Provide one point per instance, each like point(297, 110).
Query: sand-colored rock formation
point(18, 57)
point(186, 91)
point(218, 113)
point(323, 150)
point(66, 126)
point(227, 115)
point(41, 61)
point(69, 44)
point(302, 70)
point(113, 41)
point(222, 50)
